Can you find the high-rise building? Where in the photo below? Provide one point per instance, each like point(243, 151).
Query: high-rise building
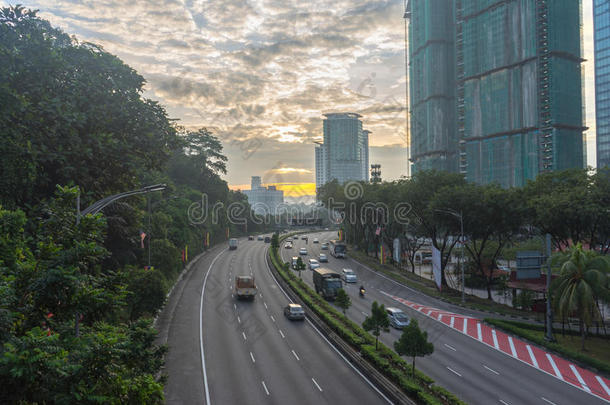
point(496, 87)
point(344, 154)
point(264, 200)
point(601, 21)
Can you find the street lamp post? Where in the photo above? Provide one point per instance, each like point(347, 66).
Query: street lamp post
point(100, 205)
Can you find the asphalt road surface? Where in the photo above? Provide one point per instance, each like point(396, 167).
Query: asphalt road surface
point(252, 353)
point(470, 369)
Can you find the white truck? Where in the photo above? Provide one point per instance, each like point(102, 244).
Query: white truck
point(245, 288)
point(232, 244)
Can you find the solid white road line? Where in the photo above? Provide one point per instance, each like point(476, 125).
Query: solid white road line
point(580, 380)
point(282, 333)
point(205, 375)
point(603, 384)
point(295, 355)
point(529, 350)
point(493, 371)
point(252, 357)
point(479, 336)
point(244, 335)
point(452, 322)
point(493, 334)
point(465, 328)
point(555, 369)
point(550, 402)
point(440, 317)
point(454, 372)
point(512, 347)
point(452, 348)
point(314, 381)
point(265, 387)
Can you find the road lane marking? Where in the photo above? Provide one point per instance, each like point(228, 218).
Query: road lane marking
point(265, 387)
point(244, 335)
point(465, 328)
point(550, 402)
point(265, 304)
point(479, 337)
point(272, 318)
point(205, 375)
point(364, 313)
point(580, 380)
point(493, 371)
point(314, 381)
point(454, 372)
point(295, 355)
point(603, 384)
point(452, 348)
point(493, 334)
point(502, 402)
point(555, 369)
point(234, 306)
point(440, 317)
point(282, 333)
point(534, 361)
point(452, 321)
point(512, 347)
point(238, 320)
point(252, 357)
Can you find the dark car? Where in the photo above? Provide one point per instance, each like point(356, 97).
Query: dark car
point(267, 239)
point(250, 237)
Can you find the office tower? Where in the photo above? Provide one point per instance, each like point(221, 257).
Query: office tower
point(512, 70)
point(601, 21)
point(344, 154)
point(264, 200)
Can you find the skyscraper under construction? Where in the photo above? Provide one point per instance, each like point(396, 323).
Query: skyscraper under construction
point(495, 87)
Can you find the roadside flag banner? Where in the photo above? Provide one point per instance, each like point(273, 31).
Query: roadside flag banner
point(207, 239)
point(227, 233)
point(378, 231)
point(396, 250)
point(381, 253)
point(186, 253)
point(182, 255)
point(436, 267)
point(142, 237)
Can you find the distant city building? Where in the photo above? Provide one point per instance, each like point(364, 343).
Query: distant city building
point(376, 173)
point(344, 154)
point(264, 200)
point(495, 88)
point(601, 21)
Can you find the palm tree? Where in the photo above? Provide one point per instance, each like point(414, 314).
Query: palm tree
point(582, 281)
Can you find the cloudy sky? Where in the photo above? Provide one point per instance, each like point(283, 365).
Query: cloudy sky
point(260, 73)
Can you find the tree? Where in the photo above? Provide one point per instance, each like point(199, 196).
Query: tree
point(582, 281)
point(377, 322)
point(275, 241)
point(300, 266)
point(413, 343)
point(343, 300)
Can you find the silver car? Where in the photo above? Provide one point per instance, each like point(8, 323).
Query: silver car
point(322, 258)
point(349, 276)
point(313, 264)
point(398, 319)
point(294, 312)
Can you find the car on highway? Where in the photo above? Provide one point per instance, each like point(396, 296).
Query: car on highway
point(295, 260)
point(316, 240)
point(288, 245)
point(398, 319)
point(294, 312)
point(267, 239)
point(313, 264)
point(324, 246)
point(302, 251)
point(304, 237)
point(349, 276)
point(250, 237)
point(288, 239)
point(260, 237)
point(322, 258)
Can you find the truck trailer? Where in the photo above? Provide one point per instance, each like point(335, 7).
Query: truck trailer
point(326, 282)
point(245, 288)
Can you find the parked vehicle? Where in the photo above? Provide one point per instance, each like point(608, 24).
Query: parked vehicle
point(398, 319)
point(349, 276)
point(232, 244)
point(245, 288)
point(338, 249)
point(313, 264)
point(303, 251)
point(294, 312)
point(323, 258)
point(326, 282)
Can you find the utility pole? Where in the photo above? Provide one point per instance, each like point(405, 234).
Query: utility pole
point(462, 255)
point(149, 229)
point(549, 315)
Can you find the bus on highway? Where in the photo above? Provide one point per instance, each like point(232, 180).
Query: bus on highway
point(338, 248)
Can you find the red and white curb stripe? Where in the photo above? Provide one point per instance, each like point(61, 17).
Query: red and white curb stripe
point(550, 363)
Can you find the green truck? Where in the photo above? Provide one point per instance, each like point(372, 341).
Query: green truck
point(326, 282)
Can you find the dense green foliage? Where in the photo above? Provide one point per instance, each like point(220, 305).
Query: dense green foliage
point(413, 342)
point(377, 322)
point(76, 297)
point(343, 300)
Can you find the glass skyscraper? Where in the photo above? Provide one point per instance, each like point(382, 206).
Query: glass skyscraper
point(601, 20)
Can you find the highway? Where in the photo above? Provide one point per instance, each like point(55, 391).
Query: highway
point(475, 372)
point(251, 352)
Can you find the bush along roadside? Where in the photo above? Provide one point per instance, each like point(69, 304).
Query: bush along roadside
point(528, 331)
point(385, 360)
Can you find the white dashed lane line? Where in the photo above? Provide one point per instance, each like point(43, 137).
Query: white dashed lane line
point(454, 372)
